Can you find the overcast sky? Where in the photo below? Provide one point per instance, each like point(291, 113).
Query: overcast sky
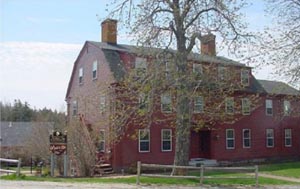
point(40, 40)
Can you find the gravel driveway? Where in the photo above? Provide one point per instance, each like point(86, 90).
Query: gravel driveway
point(5, 184)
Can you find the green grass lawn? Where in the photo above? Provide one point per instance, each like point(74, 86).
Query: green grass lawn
point(291, 169)
point(283, 169)
point(148, 180)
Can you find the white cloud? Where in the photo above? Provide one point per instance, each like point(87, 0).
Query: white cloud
point(36, 72)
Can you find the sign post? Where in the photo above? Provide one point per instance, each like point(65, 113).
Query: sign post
point(58, 146)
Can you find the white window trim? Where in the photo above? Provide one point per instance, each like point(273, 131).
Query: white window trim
point(245, 74)
point(226, 105)
point(195, 104)
point(285, 137)
point(74, 106)
point(271, 106)
point(80, 75)
point(287, 111)
point(272, 137)
point(162, 140)
point(140, 64)
point(247, 138)
point(102, 103)
point(161, 103)
point(142, 130)
point(95, 68)
point(221, 73)
point(230, 148)
point(102, 130)
point(244, 106)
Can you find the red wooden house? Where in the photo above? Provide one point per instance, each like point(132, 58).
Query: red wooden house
point(268, 130)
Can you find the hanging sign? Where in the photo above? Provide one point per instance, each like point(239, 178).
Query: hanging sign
point(58, 142)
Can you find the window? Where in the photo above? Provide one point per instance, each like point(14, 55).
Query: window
point(288, 137)
point(101, 145)
point(197, 71)
point(80, 75)
point(198, 104)
point(166, 103)
point(167, 71)
point(221, 73)
point(229, 139)
point(286, 107)
point(143, 101)
point(246, 107)
point(140, 66)
point(95, 67)
point(245, 77)
point(269, 107)
point(166, 140)
point(246, 138)
point(102, 103)
point(229, 105)
point(144, 140)
point(74, 108)
point(270, 138)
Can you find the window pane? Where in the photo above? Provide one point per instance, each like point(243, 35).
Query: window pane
point(166, 145)
point(166, 103)
point(144, 146)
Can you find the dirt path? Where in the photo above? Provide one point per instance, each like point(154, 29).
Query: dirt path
point(280, 177)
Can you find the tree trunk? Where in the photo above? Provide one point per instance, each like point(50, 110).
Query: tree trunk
point(183, 116)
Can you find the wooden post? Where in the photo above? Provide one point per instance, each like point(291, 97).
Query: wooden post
point(65, 164)
point(201, 174)
point(52, 164)
point(138, 173)
point(256, 175)
point(19, 167)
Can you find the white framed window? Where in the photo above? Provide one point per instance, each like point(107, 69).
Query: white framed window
point(198, 104)
point(102, 103)
point(140, 66)
point(143, 101)
point(197, 71)
point(246, 106)
point(229, 105)
point(269, 107)
point(221, 73)
point(166, 103)
point(101, 144)
point(246, 138)
point(245, 74)
point(230, 140)
point(286, 107)
point(167, 70)
point(166, 140)
point(270, 138)
point(80, 75)
point(74, 108)
point(288, 137)
point(144, 140)
point(95, 68)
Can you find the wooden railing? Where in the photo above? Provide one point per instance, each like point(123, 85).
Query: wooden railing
point(17, 161)
point(201, 169)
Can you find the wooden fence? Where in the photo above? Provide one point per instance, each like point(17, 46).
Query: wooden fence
point(17, 161)
point(201, 170)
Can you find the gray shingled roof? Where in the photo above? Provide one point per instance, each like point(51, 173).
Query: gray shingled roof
point(149, 51)
point(276, 87)
point(16, 133)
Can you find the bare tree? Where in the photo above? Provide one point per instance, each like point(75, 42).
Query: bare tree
point(178, 24)
point(279, 44)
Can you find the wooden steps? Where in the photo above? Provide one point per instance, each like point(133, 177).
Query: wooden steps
point(102, 169)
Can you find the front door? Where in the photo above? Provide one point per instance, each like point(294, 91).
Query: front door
point(204, 145)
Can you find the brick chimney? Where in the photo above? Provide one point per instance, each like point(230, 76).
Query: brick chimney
point(109, 31)
point(208, 44)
